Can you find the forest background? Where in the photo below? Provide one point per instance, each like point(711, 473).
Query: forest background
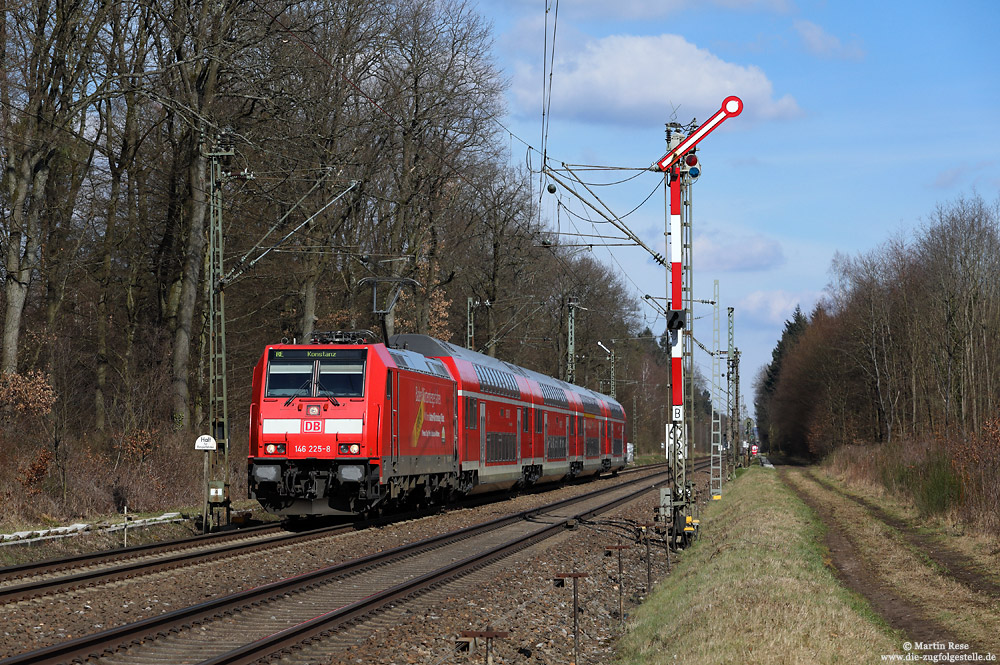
point(365, 142)
point(894, 377)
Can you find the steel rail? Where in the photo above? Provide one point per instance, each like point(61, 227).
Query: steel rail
point(326, 623)
point(16, 592)
point(114, 639)
point(55, 565)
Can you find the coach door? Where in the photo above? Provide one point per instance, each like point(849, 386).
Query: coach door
point(545, 435)
point(454, 425)
point(518, 435)
point(394, 440)
point(482, 434)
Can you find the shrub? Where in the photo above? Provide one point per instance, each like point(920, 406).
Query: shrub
point(937, 488)
point(977, 463)
point(921, 469)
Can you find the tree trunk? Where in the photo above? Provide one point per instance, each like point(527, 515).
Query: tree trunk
point(25, 230)
point(193, 260)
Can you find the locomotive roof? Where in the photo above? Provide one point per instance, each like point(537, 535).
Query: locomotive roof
point(436, 348)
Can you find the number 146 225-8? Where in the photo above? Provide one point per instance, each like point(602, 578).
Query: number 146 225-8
point(313, 448)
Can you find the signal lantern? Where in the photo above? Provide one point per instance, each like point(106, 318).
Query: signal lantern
point(691, 165)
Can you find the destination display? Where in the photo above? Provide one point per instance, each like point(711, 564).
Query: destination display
point(317, 354)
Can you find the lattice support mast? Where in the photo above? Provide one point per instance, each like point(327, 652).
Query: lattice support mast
point(716, 472)
point(732, 431)
point(217, 489)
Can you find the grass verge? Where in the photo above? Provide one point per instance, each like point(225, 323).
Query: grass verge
point(981, 547)
point(755, 589)
point(971, 615)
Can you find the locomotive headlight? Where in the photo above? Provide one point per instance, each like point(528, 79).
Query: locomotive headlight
point(275, 449)
point(349, 448)
point(355, 449)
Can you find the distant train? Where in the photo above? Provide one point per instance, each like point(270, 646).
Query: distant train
point(342, 426)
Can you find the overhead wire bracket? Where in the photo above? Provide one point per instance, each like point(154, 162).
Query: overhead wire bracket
point(243, 266)
point(391, 301)
point(609, 216)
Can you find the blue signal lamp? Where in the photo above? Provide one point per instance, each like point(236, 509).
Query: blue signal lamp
point(691, 165)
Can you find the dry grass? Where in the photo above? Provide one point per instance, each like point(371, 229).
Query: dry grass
point(981, 547)
point(972, 616)
point(953, 476)
point(755, 589)
point(144, 471)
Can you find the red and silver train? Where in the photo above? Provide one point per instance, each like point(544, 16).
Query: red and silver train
point(343, 427)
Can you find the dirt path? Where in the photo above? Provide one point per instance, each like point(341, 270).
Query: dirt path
point(873, 556)
point(951, 562)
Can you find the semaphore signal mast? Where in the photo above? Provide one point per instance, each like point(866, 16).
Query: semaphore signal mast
point(680, 156)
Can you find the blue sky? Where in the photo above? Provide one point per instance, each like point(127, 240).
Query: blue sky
point(859, 118)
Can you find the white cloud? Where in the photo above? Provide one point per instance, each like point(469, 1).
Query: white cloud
point(639, 9)
point(737, 253)
point(959, 175)
point(776, 307)
point(629, 8)
point(640, 80)
point(821, 43)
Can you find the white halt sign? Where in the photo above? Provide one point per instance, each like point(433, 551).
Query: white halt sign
point(205, 442)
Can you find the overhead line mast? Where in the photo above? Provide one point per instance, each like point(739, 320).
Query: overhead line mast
point(677, 440)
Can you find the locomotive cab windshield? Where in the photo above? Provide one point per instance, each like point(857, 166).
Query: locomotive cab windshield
point(289, 379)
point(295, 373)
point(341, 379)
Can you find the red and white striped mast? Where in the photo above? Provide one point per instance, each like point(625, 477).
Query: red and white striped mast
point(670, 164)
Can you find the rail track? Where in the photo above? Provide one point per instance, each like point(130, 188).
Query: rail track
point(247, 626)
point(32, 580)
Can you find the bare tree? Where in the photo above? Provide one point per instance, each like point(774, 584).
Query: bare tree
point(198, 41)
point(441, 92)
point(48, 83)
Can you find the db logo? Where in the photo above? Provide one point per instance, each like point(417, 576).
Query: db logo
point(312, 425)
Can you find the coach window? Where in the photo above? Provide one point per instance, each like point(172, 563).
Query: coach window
point(526, 421)
point(471, 418)
point(539, 422)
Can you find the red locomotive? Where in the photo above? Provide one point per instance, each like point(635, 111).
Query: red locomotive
point(342, 426)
